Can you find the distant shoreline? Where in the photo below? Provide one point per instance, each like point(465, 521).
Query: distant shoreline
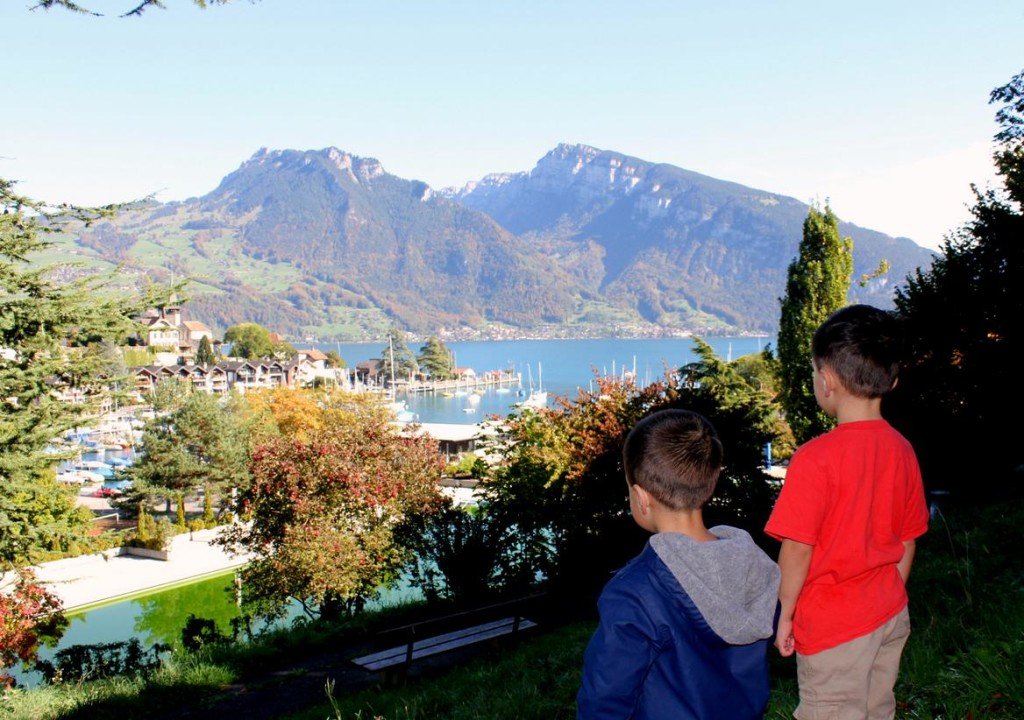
point(444, 337)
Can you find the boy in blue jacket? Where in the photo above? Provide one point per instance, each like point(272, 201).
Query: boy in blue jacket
point(686, 625)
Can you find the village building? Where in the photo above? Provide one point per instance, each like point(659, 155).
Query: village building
point(225, 376)
point(174, 339)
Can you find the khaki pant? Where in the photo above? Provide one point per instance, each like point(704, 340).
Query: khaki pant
point(854, 681)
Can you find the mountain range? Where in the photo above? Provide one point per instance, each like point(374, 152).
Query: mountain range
point(588, 242)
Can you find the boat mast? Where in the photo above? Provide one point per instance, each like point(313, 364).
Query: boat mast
point(391, 354)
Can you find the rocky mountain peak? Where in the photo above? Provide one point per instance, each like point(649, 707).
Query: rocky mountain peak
point(358, 169)
point(587, 170)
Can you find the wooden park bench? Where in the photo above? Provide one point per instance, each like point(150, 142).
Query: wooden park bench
point(422, 639)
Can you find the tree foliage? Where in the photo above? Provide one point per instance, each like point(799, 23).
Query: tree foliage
point(334, 360)
point(817, 282)
point(199, 440)
point(562, 486)
point(53, 337)
point(250, 340)
point(136, 9)
point(456, 553)
point(204, 353)
point(29, 615)
point(396, 354)
point(436, 359)
point(964, 321)
point(323, 505)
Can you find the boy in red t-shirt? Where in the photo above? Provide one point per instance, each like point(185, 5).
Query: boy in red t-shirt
point(848, 515)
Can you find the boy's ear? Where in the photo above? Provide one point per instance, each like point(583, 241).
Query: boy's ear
point(643, 499)
point(828, 380)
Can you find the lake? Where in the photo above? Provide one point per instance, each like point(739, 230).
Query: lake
point(562, 367)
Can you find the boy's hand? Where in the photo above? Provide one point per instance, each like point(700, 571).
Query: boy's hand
point(784, 638)
point(794, 561)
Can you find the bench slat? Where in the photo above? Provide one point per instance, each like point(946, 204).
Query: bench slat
point(441, 643)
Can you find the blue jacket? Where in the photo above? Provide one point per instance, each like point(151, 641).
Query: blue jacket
point(684, 633)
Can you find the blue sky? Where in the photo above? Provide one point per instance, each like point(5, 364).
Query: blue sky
point(879, 106)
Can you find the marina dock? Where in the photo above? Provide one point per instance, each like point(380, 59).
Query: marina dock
point(492, 378)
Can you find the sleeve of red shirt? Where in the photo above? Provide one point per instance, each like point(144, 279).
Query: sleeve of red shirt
point(799, 511)
point(915, 519)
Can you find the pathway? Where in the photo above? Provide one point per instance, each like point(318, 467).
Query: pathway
point(100, 578)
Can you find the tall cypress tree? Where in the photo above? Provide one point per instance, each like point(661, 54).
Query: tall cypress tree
point(816, 286)
point(204, 355)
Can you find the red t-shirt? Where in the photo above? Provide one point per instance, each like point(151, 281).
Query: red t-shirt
point(856, 495)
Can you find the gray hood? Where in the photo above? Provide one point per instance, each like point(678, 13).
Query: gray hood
point(734, 585)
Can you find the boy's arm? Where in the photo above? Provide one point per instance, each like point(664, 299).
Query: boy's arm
point(616, 661)
point(794, 561)
point(909, 547)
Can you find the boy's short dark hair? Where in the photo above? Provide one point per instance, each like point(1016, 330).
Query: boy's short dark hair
point(860, 345)
point(676, 456)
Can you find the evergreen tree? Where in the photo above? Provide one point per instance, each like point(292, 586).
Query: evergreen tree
point(964, 321)
point(436, 359)
point(198, 442)
point(50, 336)
point(404, 361)
point(209, 519)
point(179, 515)
point(204, 354)
point(816, 286)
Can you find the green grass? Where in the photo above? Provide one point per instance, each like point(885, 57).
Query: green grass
point(965, 657)
point(356, 323)
point(537, 681)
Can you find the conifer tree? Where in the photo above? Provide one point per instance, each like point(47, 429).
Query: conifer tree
point(197, 442)
point(436, 359)
point(816, 286)
point(404, 361)
point(50, 338)
point(204, 354)
point(179, 516)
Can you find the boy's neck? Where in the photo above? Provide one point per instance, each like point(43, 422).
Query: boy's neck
point(851, 408)
point(685, 522)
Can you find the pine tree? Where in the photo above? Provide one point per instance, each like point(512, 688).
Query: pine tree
point(404, 361)
point(197, 442)
point(50, 342)
point(134, 8)
point(816, 286)
point(436, 359)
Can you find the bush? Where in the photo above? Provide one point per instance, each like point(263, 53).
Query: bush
point(151, 534)
point(467, 466)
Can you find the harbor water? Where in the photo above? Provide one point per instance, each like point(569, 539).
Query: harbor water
point(560, 367)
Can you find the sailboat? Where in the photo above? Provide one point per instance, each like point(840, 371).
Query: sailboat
point(538, 398)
